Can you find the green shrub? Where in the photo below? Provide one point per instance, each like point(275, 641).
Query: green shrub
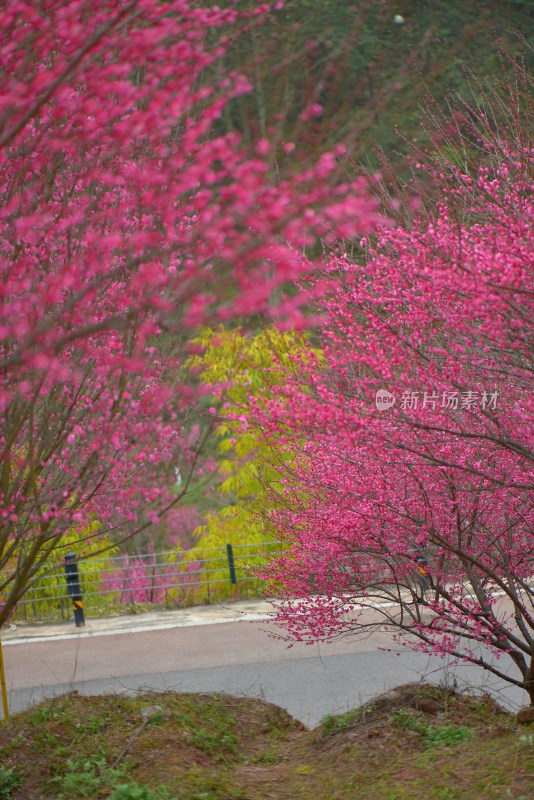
point(446, 736)
point(85, 778)
point(9, 780)
point(131, 791)
point(443, 736)
point(333, 723)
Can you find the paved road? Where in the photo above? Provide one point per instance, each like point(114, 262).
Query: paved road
point(235, 657)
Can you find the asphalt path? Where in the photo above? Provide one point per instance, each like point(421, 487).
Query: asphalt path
point(238, 658)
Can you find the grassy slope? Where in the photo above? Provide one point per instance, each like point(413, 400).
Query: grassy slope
point(418, 741)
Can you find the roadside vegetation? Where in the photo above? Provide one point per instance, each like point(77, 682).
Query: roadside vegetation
point(352, 77)
point(415, 741)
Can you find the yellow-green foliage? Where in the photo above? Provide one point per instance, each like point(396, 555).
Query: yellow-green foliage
point(250, 366)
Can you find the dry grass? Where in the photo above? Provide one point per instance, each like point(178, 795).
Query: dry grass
point(416, 741)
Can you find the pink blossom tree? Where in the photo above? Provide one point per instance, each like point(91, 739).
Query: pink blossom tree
point(415, 432)
point(125, 221)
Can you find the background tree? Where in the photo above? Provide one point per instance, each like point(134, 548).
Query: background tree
point(238, 368)
point(418, 456)
point(123, 225)
point(358, 71)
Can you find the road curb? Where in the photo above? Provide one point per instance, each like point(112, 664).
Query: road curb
point(137, 623)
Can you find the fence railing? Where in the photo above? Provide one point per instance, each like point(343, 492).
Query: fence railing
point(166, 579)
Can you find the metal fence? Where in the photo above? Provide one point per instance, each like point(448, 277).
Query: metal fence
point(166, 579)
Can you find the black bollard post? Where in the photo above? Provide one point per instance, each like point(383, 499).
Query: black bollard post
point(74, 590)
point(231, 563)
point(422, 568)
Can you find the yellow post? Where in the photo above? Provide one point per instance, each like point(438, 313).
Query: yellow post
point(3, 687)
